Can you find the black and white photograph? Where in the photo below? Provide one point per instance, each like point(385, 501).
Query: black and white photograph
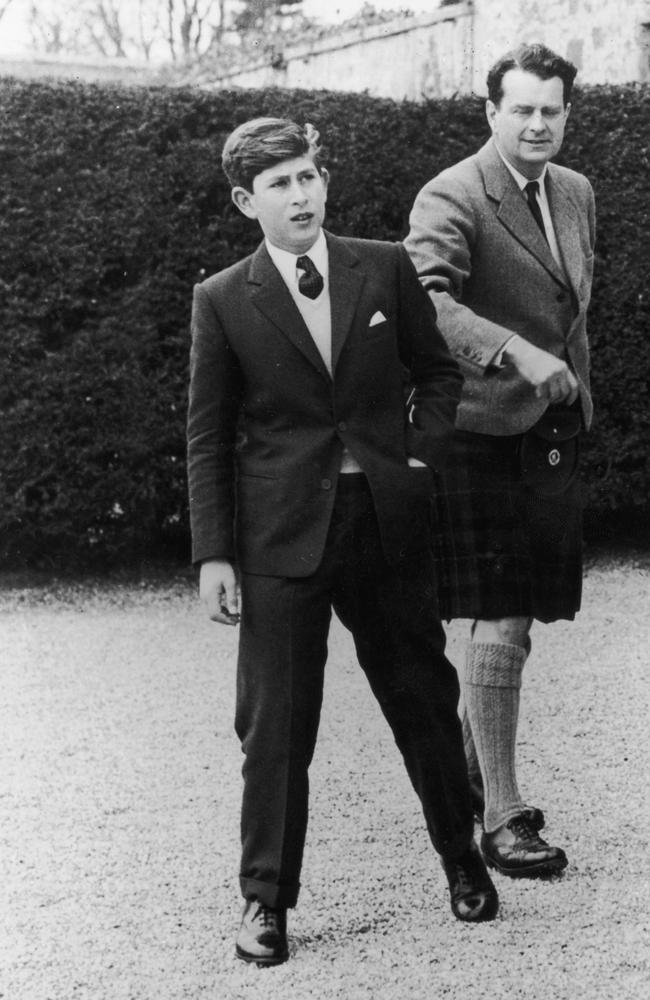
point(325, 517)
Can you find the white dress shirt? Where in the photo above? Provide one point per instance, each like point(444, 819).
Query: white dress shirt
point(317, 313)
point(542, 199)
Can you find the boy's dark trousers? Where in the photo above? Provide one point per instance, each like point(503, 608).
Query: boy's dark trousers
point(391, 612)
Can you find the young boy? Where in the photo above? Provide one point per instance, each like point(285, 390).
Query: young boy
point(310, 490)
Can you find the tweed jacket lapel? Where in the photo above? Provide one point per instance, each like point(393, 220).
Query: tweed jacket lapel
point(567, 226)
point(512, 211)
point(271, 296)
point(346, 282)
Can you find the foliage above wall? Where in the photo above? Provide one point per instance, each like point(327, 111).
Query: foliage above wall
point(113, 205)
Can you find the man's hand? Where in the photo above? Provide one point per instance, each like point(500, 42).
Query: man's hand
point(551, 377)
point(219, 591)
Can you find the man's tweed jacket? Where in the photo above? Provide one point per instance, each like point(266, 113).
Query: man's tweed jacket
point(490, 273)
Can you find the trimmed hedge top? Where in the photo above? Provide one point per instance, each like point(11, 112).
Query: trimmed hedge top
point(114, 204)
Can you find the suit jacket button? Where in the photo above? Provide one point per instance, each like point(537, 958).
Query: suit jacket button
point(342, 426)
point(326, 484)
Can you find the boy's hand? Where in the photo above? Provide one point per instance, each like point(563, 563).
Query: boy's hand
point(219, 591)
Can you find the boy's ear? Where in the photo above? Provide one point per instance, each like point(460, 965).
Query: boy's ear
point(325, 174)
point(243, 199)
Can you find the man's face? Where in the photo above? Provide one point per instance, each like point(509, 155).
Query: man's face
point(288, 200)
point(528, 124)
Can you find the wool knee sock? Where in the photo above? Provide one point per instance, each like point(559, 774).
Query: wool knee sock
point(491, 683)
point(473, 766)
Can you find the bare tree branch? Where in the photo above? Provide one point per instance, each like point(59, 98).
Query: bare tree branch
point(4, 5)
point(171, 41)
point(149, 26)
point(184, 28)
point(49, 29)
point(107, 11)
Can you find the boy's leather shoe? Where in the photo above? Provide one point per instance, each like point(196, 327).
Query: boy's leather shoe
point(473, 896)
point(516, 849)
point(262, 937)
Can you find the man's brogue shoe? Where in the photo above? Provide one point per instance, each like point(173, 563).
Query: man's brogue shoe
point(472, 893)
point(262, 937)
point(534, 815)
point(517, 850)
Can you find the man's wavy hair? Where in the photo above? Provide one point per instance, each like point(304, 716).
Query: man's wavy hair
point(536, 59)
point(261, 143)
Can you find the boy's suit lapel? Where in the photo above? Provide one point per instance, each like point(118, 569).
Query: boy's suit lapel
point(346, 282)
point(271, 296)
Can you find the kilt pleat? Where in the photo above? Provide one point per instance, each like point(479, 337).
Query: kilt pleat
point(501, 549)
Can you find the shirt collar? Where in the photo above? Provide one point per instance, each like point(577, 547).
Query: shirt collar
point(519, 178)
point(286, 262)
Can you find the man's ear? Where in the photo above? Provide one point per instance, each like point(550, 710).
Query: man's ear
point(243, 199)
point(490, 112)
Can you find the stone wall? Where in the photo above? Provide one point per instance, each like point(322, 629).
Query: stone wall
point(86, 70)
point(435, 55)
point(450, 50)
point(604, 38)
point(411, 58)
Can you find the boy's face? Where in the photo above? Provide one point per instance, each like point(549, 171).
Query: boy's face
point(288, 200)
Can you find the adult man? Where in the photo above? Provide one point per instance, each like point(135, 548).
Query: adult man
point(504, 242)
point(310, 490)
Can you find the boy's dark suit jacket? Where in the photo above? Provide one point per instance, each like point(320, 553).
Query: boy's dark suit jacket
point(267, 424)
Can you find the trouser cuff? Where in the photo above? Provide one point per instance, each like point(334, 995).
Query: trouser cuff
point(278, 897)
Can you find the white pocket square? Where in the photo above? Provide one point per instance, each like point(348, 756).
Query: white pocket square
point(377, 318)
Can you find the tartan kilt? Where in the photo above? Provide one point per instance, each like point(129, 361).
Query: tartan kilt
point(502, 550)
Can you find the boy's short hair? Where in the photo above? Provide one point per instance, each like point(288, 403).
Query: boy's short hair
point(260, 143)
point(534, 58)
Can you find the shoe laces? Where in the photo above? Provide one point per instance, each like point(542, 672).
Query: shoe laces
point(524, 832)
point(465, 883)
point(265, 916)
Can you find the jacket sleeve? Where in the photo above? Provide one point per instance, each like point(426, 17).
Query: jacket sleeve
point(441, 241)
point(213, 410)
point(435, 379)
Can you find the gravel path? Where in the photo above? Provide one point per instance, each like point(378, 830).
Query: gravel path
point(120, 796)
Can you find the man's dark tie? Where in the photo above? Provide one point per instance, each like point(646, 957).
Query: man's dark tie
point(311, 282)
point(531, 190)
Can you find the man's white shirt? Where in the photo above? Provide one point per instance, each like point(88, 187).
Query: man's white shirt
point(542, 199)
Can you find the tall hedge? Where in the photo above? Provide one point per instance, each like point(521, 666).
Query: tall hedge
point(113, 205)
